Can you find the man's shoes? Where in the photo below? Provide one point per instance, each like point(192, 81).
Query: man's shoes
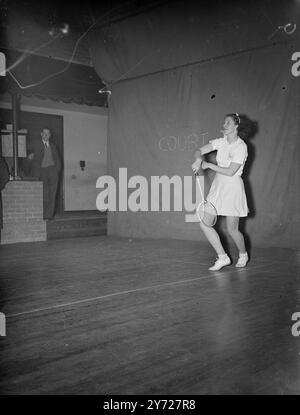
point(242, 261)
point(221, 262)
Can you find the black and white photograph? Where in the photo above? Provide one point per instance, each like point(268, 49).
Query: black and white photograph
point(149, 200)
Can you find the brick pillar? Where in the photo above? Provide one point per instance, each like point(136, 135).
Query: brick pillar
point(22, 207)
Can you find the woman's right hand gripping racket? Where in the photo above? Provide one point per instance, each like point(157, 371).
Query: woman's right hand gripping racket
point(206, 211)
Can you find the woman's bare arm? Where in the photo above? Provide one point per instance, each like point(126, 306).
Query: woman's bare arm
point(203, 150)
point(227, 171)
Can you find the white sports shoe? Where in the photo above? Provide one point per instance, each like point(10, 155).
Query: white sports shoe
point(242, 261)
point(220, 263)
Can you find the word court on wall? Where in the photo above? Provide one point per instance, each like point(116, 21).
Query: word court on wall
point(182, 141)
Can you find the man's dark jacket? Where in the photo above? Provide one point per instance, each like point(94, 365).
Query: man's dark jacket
point(38, 150)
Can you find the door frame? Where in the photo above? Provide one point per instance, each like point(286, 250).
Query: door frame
point(25, 118)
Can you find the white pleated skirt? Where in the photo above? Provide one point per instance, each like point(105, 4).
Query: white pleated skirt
point(227, 194)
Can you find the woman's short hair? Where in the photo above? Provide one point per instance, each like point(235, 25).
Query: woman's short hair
point(236, 118)
point(246, 128)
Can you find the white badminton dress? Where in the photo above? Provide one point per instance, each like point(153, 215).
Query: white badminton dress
point(227, 193)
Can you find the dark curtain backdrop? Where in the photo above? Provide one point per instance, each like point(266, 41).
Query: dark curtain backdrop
point(156, 120)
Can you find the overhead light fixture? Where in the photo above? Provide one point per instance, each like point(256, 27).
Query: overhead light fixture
point(65, 29)
point(289, 28)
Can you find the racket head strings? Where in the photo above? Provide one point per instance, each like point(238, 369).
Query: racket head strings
point(207, 213)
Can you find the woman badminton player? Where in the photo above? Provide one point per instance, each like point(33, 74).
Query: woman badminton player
point(227, 192)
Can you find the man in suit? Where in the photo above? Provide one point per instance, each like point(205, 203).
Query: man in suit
point(46, 167)
point(4, 178)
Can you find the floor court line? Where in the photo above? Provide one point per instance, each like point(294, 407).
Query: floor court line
point(151, 287)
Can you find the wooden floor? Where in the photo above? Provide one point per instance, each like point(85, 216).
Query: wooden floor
point(103, 315)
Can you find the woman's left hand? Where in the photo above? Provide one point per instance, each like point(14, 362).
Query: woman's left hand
point(204, 165)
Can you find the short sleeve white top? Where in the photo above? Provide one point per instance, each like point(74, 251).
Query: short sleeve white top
point(227, 153)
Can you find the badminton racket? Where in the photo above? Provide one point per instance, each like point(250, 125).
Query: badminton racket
point(206, 211)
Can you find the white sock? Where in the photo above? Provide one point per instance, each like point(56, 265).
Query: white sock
point(223, 256)
point(243, 255)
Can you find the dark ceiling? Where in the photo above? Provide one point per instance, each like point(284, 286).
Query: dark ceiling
point(45, 37)
point(49, 37)
point(36, 26)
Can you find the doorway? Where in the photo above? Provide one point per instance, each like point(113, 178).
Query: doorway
point(34, 122)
